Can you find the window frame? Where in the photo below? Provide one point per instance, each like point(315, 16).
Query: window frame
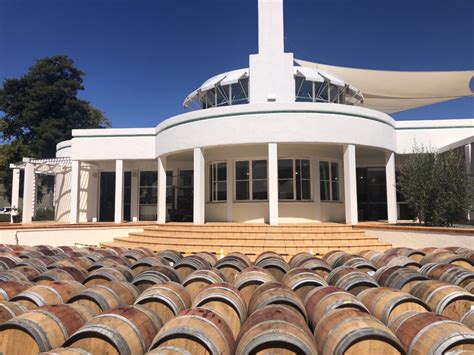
point(213, 167)
point(151, 187)
point(250, 180)
point(295, 195)
point(330, 180)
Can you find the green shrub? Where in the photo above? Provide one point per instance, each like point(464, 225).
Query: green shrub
point(44, 214)
point(435, 185)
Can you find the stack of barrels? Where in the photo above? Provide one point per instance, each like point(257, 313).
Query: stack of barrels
point(70, 300)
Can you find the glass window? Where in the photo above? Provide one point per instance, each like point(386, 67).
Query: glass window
point(169, 187)
point(218, 181)
point(242, 180)
point(251, 180)
point(304, 90)
point(303, 180)
point(334, 182)
point(329, 181)
point(294, 179)
point(259, 180)
point(285, 179)
point(148, 195)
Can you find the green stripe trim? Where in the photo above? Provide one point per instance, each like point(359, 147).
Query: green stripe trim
point(119, 135)
point(274, 112)
point(431, 127)
point(64, 147)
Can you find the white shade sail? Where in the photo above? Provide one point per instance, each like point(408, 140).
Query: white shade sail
point(309, 74)
point(396, 91)
point(233, 77)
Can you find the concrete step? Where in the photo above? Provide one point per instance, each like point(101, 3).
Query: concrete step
point(251, 236)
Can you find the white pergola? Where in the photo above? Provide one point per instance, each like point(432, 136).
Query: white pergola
point(31, 167)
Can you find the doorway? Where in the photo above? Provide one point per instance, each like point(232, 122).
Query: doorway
point(371, 194)
point(107, 196)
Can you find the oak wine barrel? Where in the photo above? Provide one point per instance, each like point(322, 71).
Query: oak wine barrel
point(122, 331)
point(321, 300)
point(209, 257)
point(403, 279)
point(147, 263)
point(66, 351)
point(167, 299)
point(197, 330)
point(443, 298)
point(316, 264)
point(63, 273)
point(468, 319)
point(430, 333)
point(277, 266)
point(303, 280)
point(42, 329)
point(9, 310)
point(414, 254)
point(106, 296)
point(351, 279)
point(48, 293)
point(189, 264)
point(8, 289)
point(249, 279)
point(447, 258)
point(225, 300)
point(275, 329)
point(13, 275)
point(231, 266)
point(298, 258)
point(110, 261)
point(169, 350)
point(386, 303)
point(361, 263)
point(108, 274)
point(267, 254)
point(172, 256)
point(276, 293)
point(155, 275)
point(201, 278)
point(351, 331)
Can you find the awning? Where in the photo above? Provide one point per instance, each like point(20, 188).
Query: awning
point(309, 74)
point(395, 91)
point(212, 82)
point(233, 77)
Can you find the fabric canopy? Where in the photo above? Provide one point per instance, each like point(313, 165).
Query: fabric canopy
point(395, 91)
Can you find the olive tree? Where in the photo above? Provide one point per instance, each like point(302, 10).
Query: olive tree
point(435, 185)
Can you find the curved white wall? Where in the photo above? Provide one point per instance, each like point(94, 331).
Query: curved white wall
point(281, 123)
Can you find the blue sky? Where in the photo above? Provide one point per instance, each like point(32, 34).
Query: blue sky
point(142, 57)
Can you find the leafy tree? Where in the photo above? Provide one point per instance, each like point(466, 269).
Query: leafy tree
point(436, 186)
point(40, 109)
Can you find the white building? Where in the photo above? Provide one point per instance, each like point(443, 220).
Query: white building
point(282, 141)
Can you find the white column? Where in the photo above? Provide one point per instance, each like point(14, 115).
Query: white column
point(28, 193)
point(199, 202)
point(230, 190)
point(75, 190)
point(391, 187)
point(350, 184)
point(118, 215)
point(134, 195)
point(161, 190)
point(15, 189)
point(273, 183)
